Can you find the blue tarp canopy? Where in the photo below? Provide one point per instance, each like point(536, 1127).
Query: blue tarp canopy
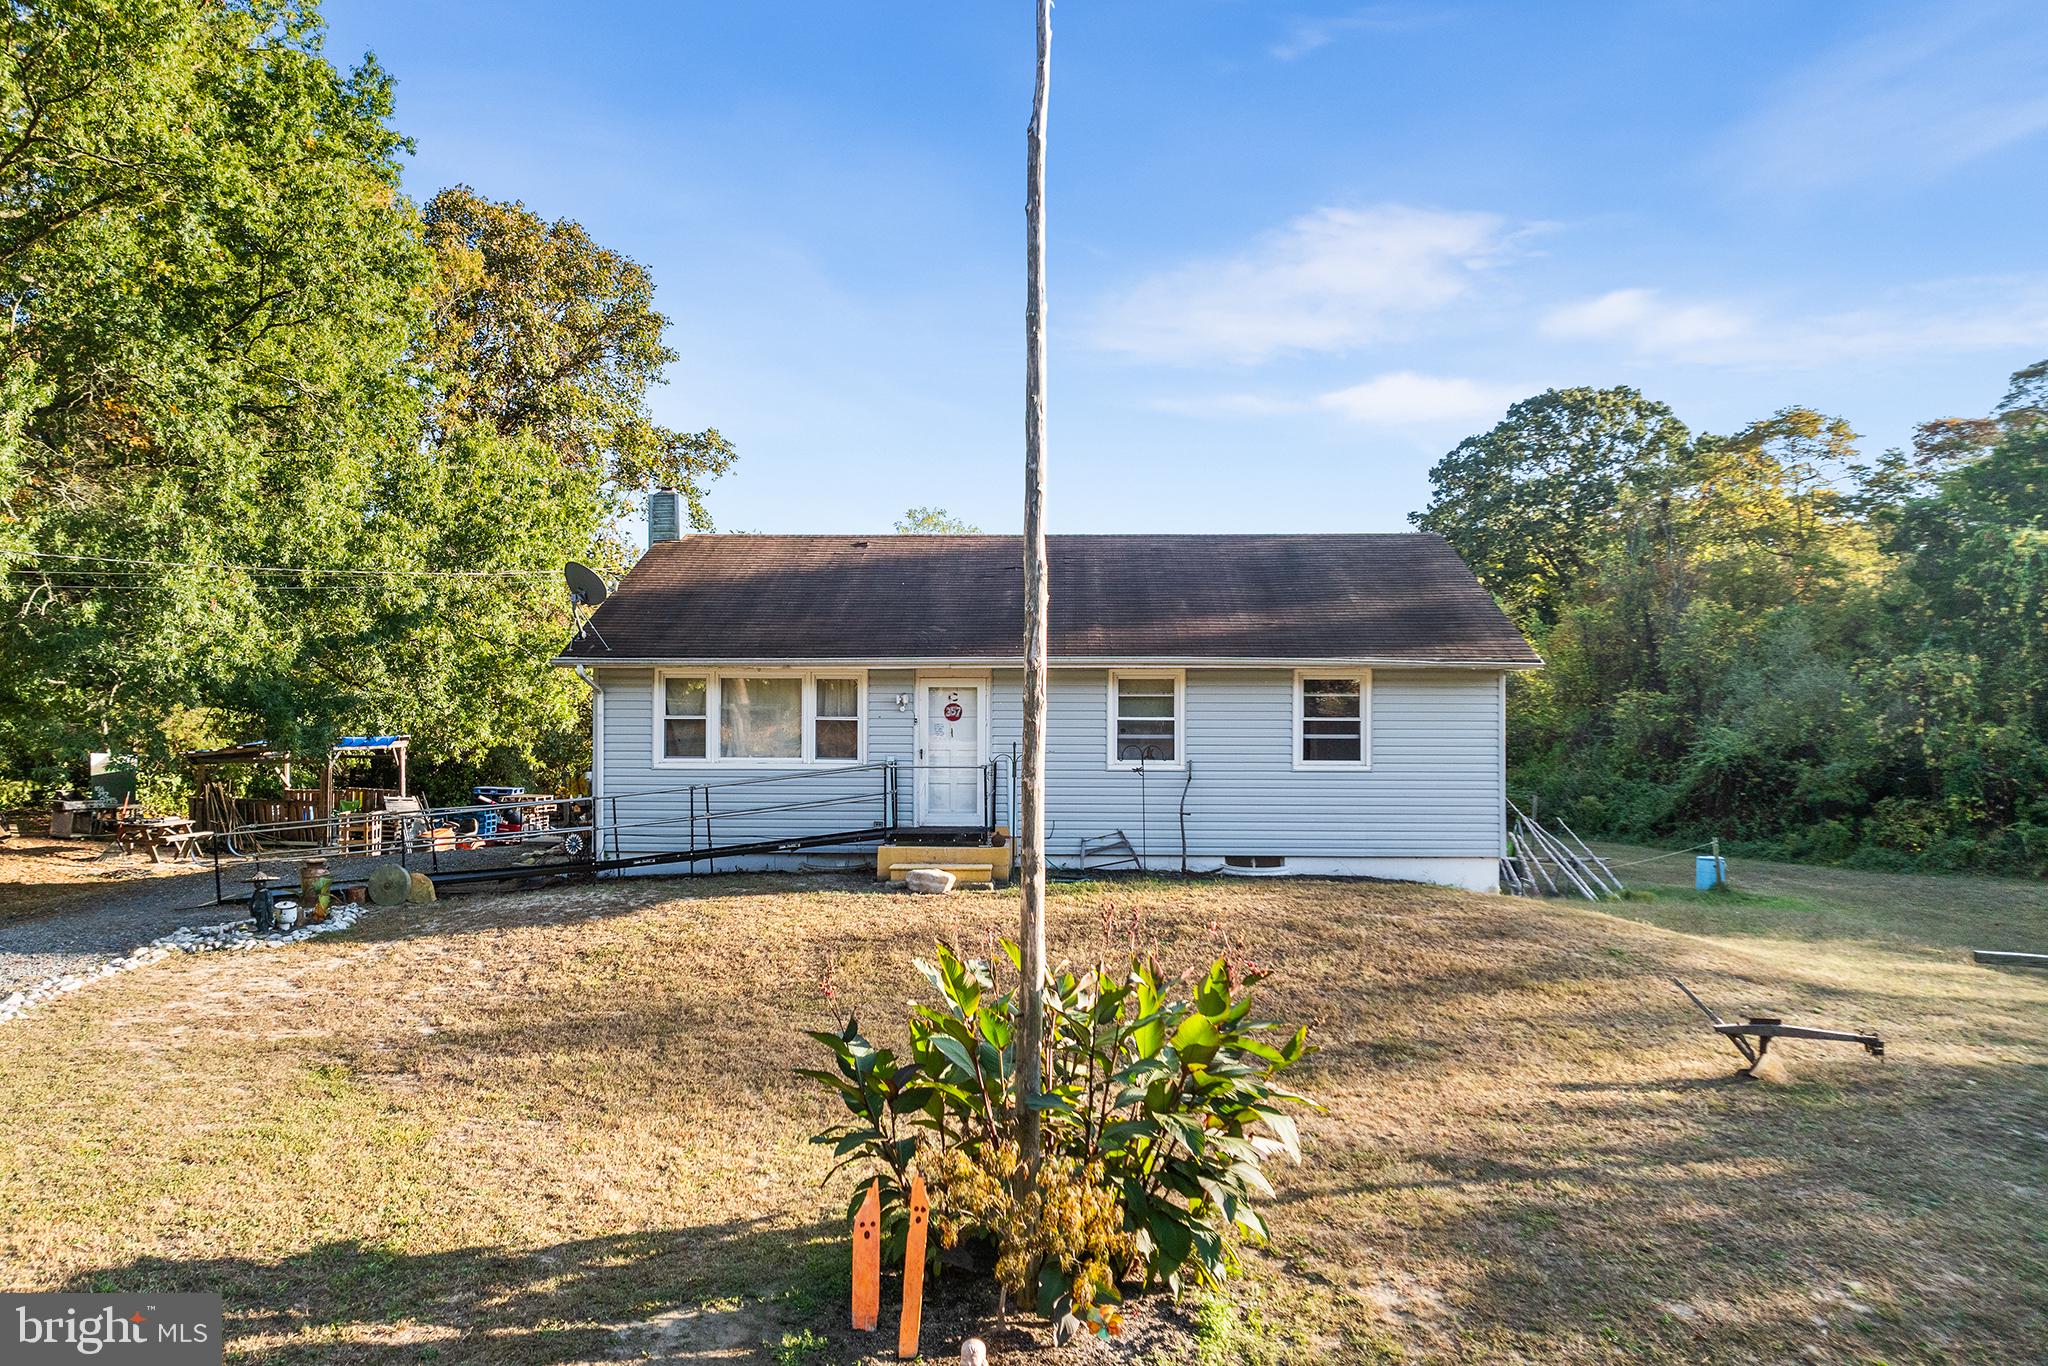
point(370, 742)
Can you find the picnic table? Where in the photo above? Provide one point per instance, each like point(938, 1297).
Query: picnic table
point(158, 834)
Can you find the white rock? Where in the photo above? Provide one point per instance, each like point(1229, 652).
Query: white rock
point(928, 881)
point(236, 935)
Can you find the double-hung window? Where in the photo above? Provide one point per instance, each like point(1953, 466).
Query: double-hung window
point(1332, 719)
point(1145, 719)
point(758, 717)
point(685, 722)
point(836, 724)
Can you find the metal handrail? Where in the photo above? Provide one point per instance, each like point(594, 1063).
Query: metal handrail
point(606, 822)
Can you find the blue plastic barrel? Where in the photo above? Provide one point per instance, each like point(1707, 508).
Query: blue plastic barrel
point(1708, 872)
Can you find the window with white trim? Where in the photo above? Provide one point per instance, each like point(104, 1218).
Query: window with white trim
point(685, 722)
point(836, 726)
point(758, 717)
point(1145, 719)
point(1332, 719)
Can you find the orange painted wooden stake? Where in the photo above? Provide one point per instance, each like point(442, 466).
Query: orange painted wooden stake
point(913, 1271)
point(867, 1260)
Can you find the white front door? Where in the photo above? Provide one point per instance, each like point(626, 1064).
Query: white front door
point(952, 716)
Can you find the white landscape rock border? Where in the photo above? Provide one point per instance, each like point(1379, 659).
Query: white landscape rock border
point(235, 935)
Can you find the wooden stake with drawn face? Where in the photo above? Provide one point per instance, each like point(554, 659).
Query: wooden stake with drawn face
point(913, 1271)
point(867, 1260)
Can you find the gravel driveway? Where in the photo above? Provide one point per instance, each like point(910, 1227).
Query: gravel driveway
point(80, 930)
point(77, 930)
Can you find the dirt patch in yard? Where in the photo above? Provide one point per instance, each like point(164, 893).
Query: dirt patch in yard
point(561, 1126)
point(37, 871)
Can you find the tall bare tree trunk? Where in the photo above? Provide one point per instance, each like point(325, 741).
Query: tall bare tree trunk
point(1037, 597)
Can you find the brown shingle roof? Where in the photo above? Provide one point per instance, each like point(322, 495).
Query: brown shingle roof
point(1386, 598)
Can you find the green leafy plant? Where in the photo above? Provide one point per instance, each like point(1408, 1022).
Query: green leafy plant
point(1159, 1111)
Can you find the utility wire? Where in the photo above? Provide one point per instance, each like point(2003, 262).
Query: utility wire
point(149, 586)
point(1704, 844)
point(285, 568)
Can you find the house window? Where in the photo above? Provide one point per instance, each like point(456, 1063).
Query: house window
point(837, 723)
point(1144, 719)
point(684, 720)
point(761, 718)
point(1333, 719)
point(793, 717)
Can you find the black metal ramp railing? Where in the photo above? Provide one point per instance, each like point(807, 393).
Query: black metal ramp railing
point(585, 836)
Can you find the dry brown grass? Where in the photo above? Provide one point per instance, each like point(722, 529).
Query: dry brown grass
point(539, 1128)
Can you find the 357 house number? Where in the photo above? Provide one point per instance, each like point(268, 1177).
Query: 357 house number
point(953, 712)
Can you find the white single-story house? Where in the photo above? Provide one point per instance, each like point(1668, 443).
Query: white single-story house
point(1273, 704)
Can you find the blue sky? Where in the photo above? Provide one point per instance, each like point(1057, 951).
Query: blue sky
point(1297, 251)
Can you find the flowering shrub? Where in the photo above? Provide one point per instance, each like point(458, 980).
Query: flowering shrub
point(1157, 1117)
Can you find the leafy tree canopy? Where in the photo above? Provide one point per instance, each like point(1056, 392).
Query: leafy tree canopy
point(1766, 638)
point(279, 455)
point(933, 522)
point(1534, 501)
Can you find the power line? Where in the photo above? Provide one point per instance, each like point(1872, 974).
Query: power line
point(285, 568)
point(151, 586)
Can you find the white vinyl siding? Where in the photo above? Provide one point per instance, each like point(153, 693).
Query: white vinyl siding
point(1434, 789)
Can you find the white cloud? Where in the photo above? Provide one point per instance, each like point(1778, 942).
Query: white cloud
point(1941, 317)
point(1406, 399)
point(1910, 101)
point(1304, 36)
point(1329, 281)
point(1642, 318)
point(1401, 398)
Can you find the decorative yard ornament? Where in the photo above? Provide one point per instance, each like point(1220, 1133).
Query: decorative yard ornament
point(974, 1352)
point(913, 1271)
point(1037, 604)
point(867, 1260)
point(260, 906)
point(390, 884)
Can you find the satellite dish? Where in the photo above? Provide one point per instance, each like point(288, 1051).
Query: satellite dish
point(586, 589)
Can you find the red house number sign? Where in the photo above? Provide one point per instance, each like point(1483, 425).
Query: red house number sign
point(953, 712)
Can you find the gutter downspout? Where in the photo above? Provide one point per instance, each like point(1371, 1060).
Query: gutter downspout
point(596, 759)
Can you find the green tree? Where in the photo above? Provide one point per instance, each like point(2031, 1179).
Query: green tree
point(537, 331)
point(277, 455)
point(933, 521)
point(211, 277)
point(1532, 503)
point(1774, 642)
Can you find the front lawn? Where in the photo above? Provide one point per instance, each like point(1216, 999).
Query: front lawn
point(562, 1126)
